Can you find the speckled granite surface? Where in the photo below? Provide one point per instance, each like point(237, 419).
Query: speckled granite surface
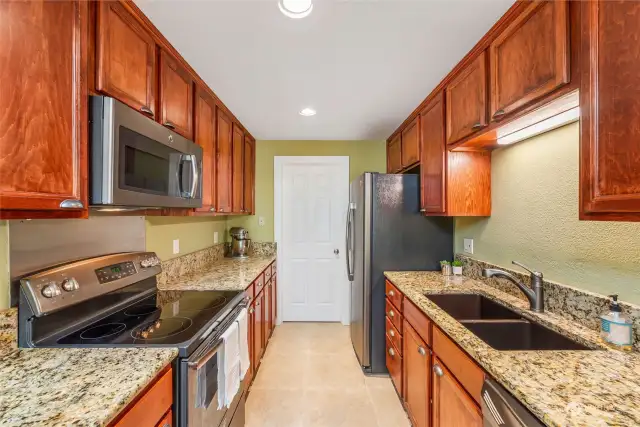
point(262, 248)
point(562, 388)
point(8, 330)
point(226, 274)
point(572, 303)
point(190, 263)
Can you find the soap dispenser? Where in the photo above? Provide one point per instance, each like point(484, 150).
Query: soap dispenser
point(615, 328)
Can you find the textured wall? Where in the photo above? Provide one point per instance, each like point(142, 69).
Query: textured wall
point(534, 220)
point(364, 156)
point(194, 234)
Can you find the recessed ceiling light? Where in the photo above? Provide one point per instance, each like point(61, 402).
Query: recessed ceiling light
point(295, 8)
point(307, 112)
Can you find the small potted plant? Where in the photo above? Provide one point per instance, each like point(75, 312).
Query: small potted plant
point(456, 266)
point(445, 266)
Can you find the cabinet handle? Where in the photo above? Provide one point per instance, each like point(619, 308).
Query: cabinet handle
point(422, 351)
point(147, 111)
point(438, 370)
point(391, 352)
point(478, 126)
point(390, 313)
point(391, 293)
point(169, 125)
point(498, 114)
point(71, 204)
point(391, 333)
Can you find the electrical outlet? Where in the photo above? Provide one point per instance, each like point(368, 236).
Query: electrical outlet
point(261, 220)
point(468, 246)
point(176, 246)
point(215, 237)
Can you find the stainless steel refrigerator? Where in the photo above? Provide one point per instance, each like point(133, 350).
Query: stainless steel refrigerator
point(386, 232)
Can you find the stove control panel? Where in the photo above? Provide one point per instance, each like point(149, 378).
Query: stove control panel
point(116, 271)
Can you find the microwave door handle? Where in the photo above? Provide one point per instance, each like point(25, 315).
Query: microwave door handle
point(195, 175)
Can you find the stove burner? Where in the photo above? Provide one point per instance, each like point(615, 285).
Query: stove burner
point(193, 303)
point(102, 331)
point(161, 328)
point(141, 310)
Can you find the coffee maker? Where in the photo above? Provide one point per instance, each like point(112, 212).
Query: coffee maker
point(240, 242)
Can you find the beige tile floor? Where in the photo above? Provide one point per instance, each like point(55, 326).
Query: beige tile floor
point(310, 377)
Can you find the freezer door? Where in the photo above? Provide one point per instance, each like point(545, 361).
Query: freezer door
point(360, 291)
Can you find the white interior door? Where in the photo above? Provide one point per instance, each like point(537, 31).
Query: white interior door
point(311, 195)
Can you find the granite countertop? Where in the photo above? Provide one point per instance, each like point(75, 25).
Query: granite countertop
point(227, 274)
point(562, 388)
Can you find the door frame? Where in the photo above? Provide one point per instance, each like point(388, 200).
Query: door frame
point(278, 164)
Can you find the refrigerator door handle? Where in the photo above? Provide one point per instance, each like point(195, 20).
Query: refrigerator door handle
point(349, 241)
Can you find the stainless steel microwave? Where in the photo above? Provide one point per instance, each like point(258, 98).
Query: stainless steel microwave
point(136, 162)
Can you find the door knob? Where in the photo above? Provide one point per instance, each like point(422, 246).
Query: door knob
point(336, 251)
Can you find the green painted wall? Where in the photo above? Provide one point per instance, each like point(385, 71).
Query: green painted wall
point(194, 234)
point(4, 265)
point(534, 220)
point(364, 156)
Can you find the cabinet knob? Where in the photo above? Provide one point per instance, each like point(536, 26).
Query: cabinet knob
point(392, 352)
point(438, 370)
point(71, 204)
point(422, 351)
point(390, 313)
point(391, 293)
point(251, 310)
point(391, 333)
point(212, 209)
point(169, 125)
point(498, 114)
point(423, 210)
point(147, 111)
point(477, 126)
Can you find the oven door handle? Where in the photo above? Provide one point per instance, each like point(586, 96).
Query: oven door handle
point(204, 359)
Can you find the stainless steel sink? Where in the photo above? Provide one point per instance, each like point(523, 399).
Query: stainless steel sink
point(501, 327)
point(472, 307)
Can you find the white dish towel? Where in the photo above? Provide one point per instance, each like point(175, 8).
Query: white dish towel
point(243, 332)
point(229, 366)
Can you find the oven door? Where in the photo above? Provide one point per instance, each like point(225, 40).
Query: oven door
point(136, 162)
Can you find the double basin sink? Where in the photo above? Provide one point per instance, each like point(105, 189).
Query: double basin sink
point(501, 327)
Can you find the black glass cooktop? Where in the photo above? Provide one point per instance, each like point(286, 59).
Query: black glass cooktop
point(166, 318)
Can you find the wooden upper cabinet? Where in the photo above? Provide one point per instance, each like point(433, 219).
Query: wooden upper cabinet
point(466, 100)
point(237, 204)
point(249, 173)
point(394, 154)
point(452, 406)
point(530, 58)
point(415, 376)
point(224, 130)
point(205, 136)
point(43, 106)
point(176, 96)
point(434, 157)
point(610, 111)
point(411, 143)
point(126, 58)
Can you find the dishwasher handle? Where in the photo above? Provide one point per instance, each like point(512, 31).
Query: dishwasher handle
point(501, 409)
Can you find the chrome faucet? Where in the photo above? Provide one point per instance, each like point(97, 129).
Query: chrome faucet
point(535, 295)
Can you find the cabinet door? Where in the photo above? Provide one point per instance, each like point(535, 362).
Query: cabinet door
point(176, 96)
point(466, 99)
point(274, 299)
point(237, 204)
point(43, 106)
point(530, 58)
point(434, 157)
point(394, 154)
point(394, 366)
point(610, 111)
point(126, 58)
point(223, 161)
point(205, 136)
point(267, 312)
point(415, 376)
point(249, 174)
point(411, 143)
point(258, 338)
point(251, 338)
point(452, 406)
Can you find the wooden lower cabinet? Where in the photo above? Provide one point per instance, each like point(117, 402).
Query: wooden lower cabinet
point(394, 365)
point(452, 406)
point(152, 407)
point(416, 376)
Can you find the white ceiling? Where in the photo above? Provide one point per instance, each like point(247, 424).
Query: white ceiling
point(363, 65)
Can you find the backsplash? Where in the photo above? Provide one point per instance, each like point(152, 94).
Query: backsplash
point(574, 304)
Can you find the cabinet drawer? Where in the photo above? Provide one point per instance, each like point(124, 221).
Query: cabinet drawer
point(267, 274)
point(394, 335)
point(274, 268)
point(394, 295)
point(152, 406)
point(394, 365)
point(259, 284)
point(468, 374)
point(394, 315)
point(418, 320)
point(250, 292)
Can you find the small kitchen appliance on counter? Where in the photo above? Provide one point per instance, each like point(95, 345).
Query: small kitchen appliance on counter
point(113, 301)
point(240, 242)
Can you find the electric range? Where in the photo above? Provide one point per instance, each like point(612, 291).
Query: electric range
point(113, 301)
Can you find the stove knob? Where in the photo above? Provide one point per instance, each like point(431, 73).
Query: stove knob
point(51, 290)
point(70, 284)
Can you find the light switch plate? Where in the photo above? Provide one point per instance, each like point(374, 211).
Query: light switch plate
point(176, 246)
point(215, 237)
point(261, 220)
point(468, 246)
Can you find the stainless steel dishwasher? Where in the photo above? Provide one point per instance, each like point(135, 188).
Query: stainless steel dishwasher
point(500, 409)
